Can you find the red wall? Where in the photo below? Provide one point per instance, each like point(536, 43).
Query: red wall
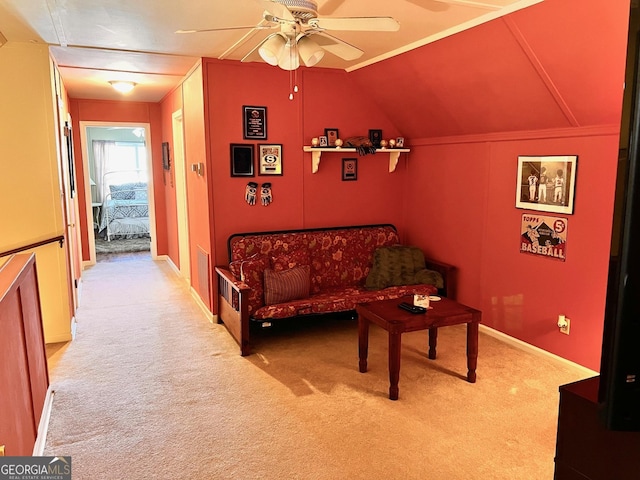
point(132, 112)
point(546, 80)
point(301, 199)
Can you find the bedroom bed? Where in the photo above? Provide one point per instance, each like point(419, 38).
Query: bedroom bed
point(125, 211)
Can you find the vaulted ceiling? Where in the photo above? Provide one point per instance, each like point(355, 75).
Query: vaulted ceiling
point(94, 41)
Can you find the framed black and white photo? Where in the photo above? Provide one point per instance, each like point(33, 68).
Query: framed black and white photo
point(242, 160)
point(349, 169)
point(254, 123)
point(547, 183)
point(400, 142)
point(322, 141)
point(270, 159)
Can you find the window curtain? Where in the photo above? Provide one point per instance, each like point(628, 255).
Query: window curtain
point(102, 151)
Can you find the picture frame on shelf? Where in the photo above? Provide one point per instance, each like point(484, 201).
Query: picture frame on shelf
point(375, 136)
point(349, 169)
point(254, 125)
point(270, 159)
point(332, 136)
point(242, 160)
point(323, 142)
point(166, 160)
point(400, 142)
point(547, 183)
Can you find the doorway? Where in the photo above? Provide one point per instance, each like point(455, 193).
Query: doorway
point(119, 189)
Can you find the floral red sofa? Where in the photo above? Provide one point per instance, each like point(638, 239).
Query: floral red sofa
point(284, 274)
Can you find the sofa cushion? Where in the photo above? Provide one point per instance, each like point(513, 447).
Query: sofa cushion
point(287, 260)
point(338, 300)
point(252, 273)
point(286, 285)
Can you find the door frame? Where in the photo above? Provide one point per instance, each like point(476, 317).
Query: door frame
point(87, 184)
point(182, 211)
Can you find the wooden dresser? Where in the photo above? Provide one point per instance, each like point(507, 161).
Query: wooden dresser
point(585, 450)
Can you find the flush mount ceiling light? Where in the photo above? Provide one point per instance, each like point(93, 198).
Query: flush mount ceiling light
point(122, 86)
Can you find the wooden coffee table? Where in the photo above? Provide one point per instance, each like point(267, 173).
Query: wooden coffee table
point(396, 321)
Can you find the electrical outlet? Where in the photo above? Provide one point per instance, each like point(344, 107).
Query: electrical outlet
point(564, 324)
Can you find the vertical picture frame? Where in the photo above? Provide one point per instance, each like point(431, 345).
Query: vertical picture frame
point(332, 135)
point(349, 169)
point(375, 136)
point(270, 159)
point(242, 164)
point(254, 122)
point(547, 183)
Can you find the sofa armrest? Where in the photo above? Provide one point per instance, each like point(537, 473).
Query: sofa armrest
point(449, 275)
point(233, 307)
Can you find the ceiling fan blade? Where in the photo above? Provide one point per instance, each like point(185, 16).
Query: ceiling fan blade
point(330, 7)
point(338, 47)
point(222, 29)
point(276, 9)
point(433, 5)
point(356, 24)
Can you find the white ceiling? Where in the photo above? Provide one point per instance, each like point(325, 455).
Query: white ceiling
point(94, 41)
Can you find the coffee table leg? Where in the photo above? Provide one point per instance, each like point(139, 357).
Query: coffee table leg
point(363, 342)
point(394, 364)
point(433, 341)
point(472, 351)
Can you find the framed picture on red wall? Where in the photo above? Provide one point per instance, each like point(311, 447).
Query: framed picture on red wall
point(254, 122)
point(547, 183)
point(270, 159)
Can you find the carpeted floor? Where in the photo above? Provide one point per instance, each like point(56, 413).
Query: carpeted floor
point(123, 245)
point(151, 390)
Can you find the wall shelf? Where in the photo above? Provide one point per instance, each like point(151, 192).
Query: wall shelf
point(316, 155)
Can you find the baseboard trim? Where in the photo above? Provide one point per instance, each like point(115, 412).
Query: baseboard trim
point(514, 342)
point(43, 426)
point(210, 316)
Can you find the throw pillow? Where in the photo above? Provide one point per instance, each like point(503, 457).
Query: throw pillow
point(286, 285)
point(429, 277)
point(122, 192)
point(394, 266)
point(252, 273)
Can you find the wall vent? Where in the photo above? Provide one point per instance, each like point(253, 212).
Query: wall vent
point(204, 280)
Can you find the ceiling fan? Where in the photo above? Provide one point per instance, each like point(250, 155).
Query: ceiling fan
point(302, 33)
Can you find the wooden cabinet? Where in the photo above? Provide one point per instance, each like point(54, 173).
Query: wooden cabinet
point(24, 377)
point(585, 450)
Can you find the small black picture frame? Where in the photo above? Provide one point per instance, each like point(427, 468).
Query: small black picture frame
point(166, 160)
point(349, 169)
point(376, 137)
point(242, 155)
point(332, 136)
point(254, 120)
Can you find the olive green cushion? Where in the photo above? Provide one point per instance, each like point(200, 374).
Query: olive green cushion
point(400, 265)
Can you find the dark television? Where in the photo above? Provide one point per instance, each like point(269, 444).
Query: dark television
point(619, 387)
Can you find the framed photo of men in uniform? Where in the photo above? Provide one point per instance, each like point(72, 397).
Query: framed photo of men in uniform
point(547, 183)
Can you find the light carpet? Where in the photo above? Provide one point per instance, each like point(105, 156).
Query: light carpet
point(151, 390)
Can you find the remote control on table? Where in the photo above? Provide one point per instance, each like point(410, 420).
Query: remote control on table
point(412, 308)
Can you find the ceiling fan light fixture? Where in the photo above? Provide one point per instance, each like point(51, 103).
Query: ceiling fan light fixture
point(272, 49)
point(122, 86)
point(289, 59)
point(310, 52)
